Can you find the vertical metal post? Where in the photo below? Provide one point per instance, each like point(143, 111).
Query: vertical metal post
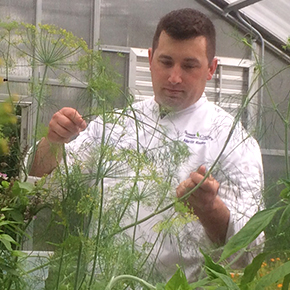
point(220, 83)
point(96, 24)
point(30, 114)
point(35, 75)
point(261, 65)
point(38, 12)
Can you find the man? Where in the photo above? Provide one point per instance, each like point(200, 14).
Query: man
point(181, 62)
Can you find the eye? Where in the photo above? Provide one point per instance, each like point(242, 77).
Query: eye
point(189, 66)
point(166, 62)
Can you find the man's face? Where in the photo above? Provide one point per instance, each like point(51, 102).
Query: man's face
point(179, 71)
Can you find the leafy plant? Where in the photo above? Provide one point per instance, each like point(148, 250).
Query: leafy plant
point(20, 202)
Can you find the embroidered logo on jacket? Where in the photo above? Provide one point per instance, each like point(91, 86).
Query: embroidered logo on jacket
point(196, 138)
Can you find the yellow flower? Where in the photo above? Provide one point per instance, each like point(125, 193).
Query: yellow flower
point(7, 108)
point(280, 285)
point(14, 97)
point(4, 149)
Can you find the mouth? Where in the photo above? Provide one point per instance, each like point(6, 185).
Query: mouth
point(173, 92)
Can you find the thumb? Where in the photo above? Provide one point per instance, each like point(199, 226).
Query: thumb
point(83, 125)
point(201, 170)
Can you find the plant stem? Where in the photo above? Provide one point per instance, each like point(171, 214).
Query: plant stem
point(286, 142)
point(101, 180)
point(78, 265)
point(115, 280)
point(39, 100)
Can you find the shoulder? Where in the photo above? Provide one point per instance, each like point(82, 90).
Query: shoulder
point(212, 116)
point(148, 104)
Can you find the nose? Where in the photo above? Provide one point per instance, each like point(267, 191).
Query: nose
point(175, 75)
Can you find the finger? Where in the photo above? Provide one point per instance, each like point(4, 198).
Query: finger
point(184, 187)
point(64, 125)
point(201, 170)
point(209, 184)
point(56, 137)
point(74, 116)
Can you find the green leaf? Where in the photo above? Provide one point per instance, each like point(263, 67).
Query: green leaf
point(160, 286)
point(9, 270)
point(5, 222)
point(249, 232)
point(7, 240)
point(6, 244)
point(226, 280)
point(19, 186)
point(17, 216)
point(19, 254)
point(210, 264)
point(177, 282)
point(5, 184)
point(273, 276)
point(6, 209)
point(199, 283)
point(284, 217)
point(286, 282)
point(252, 269)
point(285, 193)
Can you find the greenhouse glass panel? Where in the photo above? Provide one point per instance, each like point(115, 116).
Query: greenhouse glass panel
point(72, 15)
point(18, 10)
point(131, 23)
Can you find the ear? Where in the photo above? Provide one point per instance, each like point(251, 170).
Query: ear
point(150, 55)
point(212, 68)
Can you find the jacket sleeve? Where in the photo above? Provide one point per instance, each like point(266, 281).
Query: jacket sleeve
point(241, 186)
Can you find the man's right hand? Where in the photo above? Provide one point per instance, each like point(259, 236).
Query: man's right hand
point(64, 125)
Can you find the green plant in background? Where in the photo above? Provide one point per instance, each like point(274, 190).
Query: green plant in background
point(9, 130)
point(46, 51)
point(20, 203)
point(7, 117)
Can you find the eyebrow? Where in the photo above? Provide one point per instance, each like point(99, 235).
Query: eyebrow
point(164, 56)
point(192, 60)
point(189, 59)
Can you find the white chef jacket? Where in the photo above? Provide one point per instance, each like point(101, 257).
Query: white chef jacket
point(206, 129)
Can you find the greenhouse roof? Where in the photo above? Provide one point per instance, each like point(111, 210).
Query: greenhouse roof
point(270, 18)
point(271, 15)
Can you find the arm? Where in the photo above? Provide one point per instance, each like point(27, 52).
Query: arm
point(206, 204)
point(64, 124)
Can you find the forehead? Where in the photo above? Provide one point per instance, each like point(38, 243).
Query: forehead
point(187, 48)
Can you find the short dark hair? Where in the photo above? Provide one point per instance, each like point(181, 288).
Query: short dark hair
point(187, 23)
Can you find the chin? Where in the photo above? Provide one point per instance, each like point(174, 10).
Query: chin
point(169, 102)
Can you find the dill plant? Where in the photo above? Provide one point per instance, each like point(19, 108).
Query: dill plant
point(95, 244)
point(106, 194)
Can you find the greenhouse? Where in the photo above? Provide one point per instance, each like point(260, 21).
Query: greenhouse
point(108, 180)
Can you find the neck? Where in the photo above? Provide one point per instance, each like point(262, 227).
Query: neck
point(163, 111)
